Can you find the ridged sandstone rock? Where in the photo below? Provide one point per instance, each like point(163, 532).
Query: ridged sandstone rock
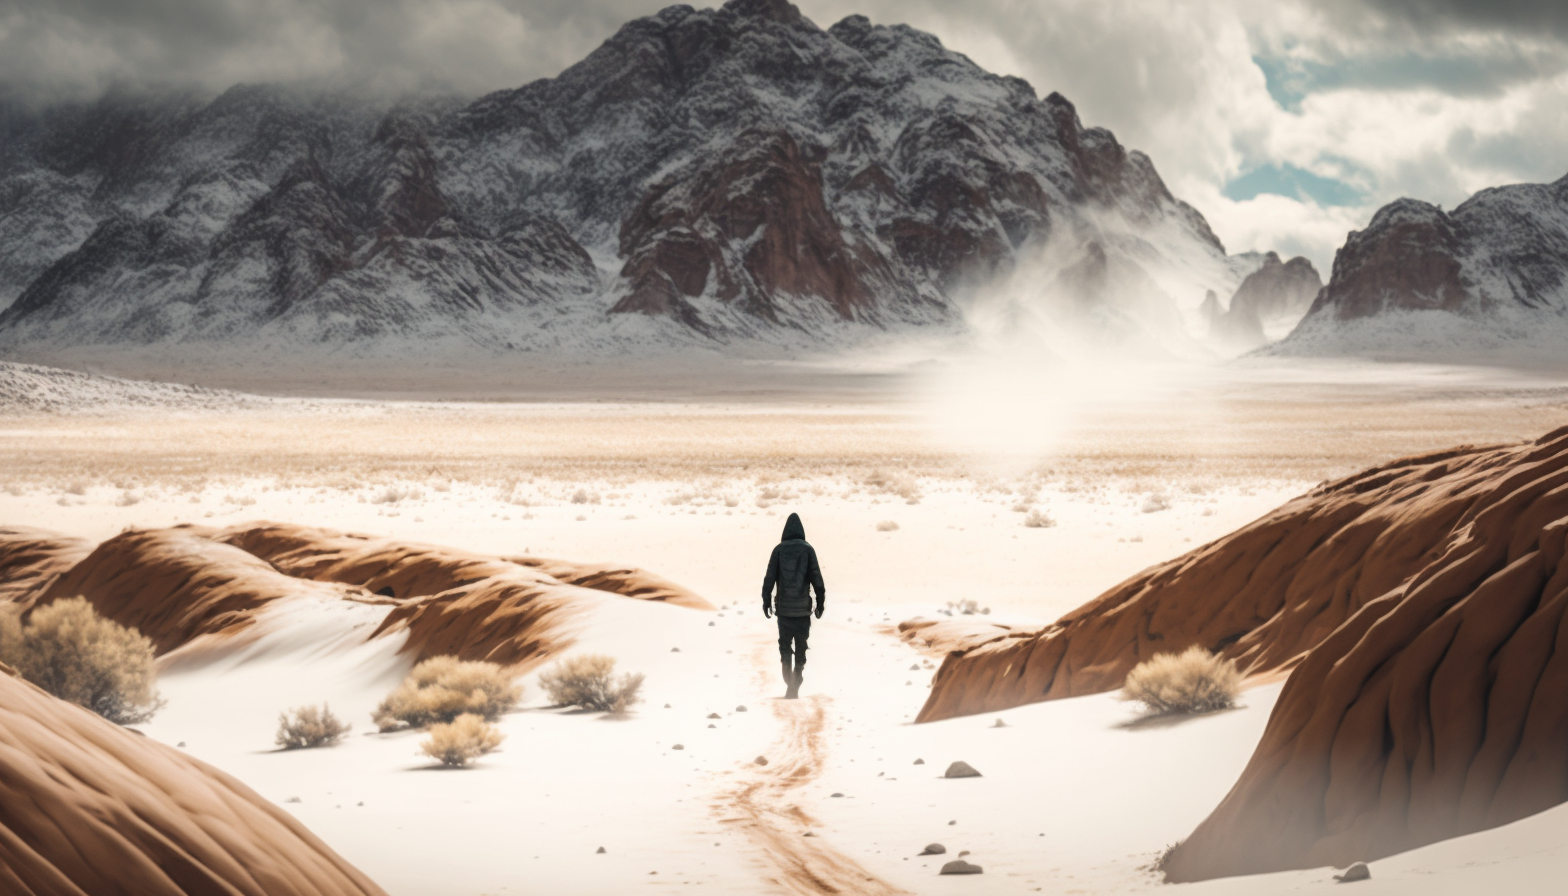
point(89, 808)
point(1262, 596)
point(1421, 611)
point(1436, 710)
point(175, 585)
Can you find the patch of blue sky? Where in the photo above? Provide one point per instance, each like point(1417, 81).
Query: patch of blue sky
point(1292, 182)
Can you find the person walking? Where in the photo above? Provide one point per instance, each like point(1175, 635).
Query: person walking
point(793, 569)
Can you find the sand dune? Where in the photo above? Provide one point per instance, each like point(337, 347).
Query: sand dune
point(1417, 607)
point(87, 807)
point(178, 584)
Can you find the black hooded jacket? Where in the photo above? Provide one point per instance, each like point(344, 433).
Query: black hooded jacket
point(793, 567)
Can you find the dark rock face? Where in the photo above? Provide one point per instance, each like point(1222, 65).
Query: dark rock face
point(729, 172)
point(1497, 261)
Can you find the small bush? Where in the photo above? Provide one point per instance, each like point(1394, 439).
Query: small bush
point(462, 740)
point(442, 688)
point(887, 526)
point(67, 649)
point(1192, 681)
point(1038, 519)
point(311, 726)
point(10, 634)
point(586, 681)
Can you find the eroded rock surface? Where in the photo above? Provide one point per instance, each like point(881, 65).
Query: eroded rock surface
point(87, 807)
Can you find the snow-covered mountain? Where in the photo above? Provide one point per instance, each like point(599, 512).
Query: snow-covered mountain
point(1272, 298)
point(704, 176)
point(1490, 275)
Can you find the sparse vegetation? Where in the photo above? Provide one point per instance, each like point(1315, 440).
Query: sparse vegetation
point(887, 526)
point(1189, 682)
point(1039, 519)
point(587, 681)
point(69, 650)
point(462, 740)
point(310, 726)
point(442, 688)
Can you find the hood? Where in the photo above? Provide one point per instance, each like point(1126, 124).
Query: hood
point(793, 530)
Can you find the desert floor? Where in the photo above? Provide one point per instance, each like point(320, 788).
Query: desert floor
point(916, 490)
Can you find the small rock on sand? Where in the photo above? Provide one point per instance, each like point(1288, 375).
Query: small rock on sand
point(711, 725)
point(915, 667)
point(741, 708)
point(933, 849)
point(920, 762)
point(959, 866)
point(678, 747)
point(961, 769)
point(999, 724)
point(962, 853)
point(599, 851)
point(675, 650)
point(1355, 872)
point(954, 821)
point(761, 760)
point(714, 715)
point(835, 794)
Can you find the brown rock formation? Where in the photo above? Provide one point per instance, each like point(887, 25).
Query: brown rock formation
point(175, 585)
point(1263, 595)
point(1420, 609)
point(766, 196)
point(1438, 709)
point(1407, 258)
point(87, 807)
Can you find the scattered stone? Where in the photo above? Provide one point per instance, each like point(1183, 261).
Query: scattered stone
point(914, 667)
point(714, 715)
point(835, 795)
point(675, 650)
point(961, 769)
point(666, 706)
point(181, 745)
point(741, 708)
point(920, 762)
point(361, 803)
point(962, 853)
point(599, 851)
point(808, 834)
point(761, 760)
point(711, 624)
point(711, 725)
point(959, 866)
point(678, 747)
point(293, 799)
point(1357, 871)
point(954, 821)
point(933, 849)
point(999, 724)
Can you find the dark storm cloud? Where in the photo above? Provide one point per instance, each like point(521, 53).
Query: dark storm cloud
point(1530, 17)
point(51, 48)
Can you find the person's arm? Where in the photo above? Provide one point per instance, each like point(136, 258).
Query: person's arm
point(814, 572)
point(768, 581)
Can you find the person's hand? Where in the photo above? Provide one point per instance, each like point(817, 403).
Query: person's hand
point(819, 612)
point(767, 611)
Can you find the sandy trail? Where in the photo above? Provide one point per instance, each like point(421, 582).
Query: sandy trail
point(763, 803)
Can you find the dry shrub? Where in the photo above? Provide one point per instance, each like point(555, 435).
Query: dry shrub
point(887, 526)
point(1038, 519)
point(442, 688)
point(1192, 681)
point(67, 649)
point(311, 726)
point(586, 681)
point(462, 740)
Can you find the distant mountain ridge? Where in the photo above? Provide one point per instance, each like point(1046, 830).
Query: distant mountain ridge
point(1491, 274)
point(736, 173)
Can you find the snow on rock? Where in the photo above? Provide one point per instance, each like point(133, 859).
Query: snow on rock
point(28, 388)
point(1490, 276)
point(725, 174)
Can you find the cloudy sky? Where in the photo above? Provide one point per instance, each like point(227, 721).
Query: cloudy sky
point(1285, 122)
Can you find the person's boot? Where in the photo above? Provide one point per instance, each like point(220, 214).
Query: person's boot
point(794, 688)
point(789, 681)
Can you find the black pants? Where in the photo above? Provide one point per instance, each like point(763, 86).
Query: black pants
point(793, 632)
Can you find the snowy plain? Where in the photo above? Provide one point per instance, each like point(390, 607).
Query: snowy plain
point(915, 497)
